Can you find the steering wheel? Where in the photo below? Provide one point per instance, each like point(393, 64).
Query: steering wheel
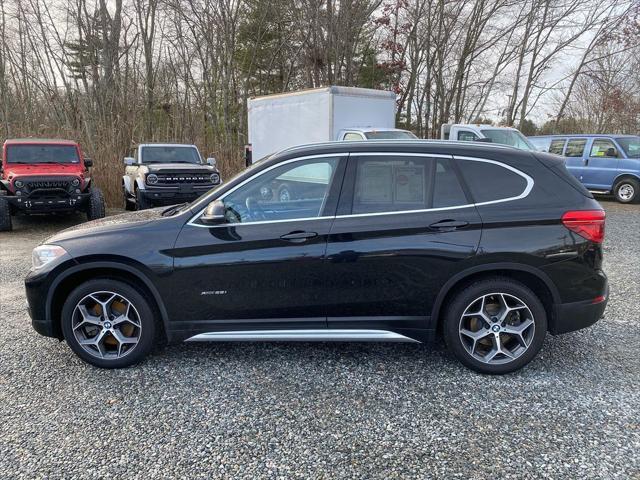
point(254, 209)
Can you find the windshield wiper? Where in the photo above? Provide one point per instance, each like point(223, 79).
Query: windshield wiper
point(173, 209)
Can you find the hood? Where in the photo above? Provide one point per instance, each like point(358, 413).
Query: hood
point(62, 169)
point(120, 222)
point(159, 167)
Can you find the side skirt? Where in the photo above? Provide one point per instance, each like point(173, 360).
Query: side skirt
point(324, 335)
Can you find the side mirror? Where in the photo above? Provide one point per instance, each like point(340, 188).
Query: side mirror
point(128, 161)
point(611, 152)
point(88, 162)
point(483, 140)
point(214, 213)
point(211, 161)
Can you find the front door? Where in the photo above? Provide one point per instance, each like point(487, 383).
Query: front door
point(262, 269)
point(404, 223)
point(601, 165)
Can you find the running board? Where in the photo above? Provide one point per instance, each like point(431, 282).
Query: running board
point(600, 192)
point(326, 335)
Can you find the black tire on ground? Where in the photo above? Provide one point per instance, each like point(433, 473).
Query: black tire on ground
point(141, 202)
point(128, 204)
point(5, 216)
point(96, 208)
point(627, 190)
point(455, 309)
point(147, 333)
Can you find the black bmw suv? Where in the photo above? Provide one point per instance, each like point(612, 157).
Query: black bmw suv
point(488, 246)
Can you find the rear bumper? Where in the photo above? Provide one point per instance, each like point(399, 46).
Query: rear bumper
point(570, 317)
point(49, 204)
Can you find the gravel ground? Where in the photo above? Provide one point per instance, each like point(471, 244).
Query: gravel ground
point(323, 410)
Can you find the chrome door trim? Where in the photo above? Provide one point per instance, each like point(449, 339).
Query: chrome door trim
point(314, 335)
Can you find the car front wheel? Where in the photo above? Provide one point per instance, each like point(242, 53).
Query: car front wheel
point(495, 326)
point(108, 324)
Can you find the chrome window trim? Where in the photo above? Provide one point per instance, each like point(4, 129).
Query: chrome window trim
point(524, 194)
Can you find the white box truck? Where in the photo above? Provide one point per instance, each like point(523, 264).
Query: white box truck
point(324, 114)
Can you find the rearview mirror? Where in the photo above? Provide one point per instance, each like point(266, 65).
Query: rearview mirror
point(214, 213)
point(128, 161)
point(88, 162)
point(211, 161)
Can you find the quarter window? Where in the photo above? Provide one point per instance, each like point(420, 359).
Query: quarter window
point(575, 147)
point(489, 182)
point(557, 146)
point(405, 183)
point(290, 191)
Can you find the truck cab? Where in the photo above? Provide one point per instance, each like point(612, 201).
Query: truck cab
point(486, 133)
point(41, 176)
point(159, 174)
point(370, 133)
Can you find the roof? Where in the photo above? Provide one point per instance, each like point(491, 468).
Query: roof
point(334, 90)
point(167, 145)
point(48, 141)
point(366, 129)
point(581, 135)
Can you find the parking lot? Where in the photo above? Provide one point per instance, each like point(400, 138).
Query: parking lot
point(299, 410)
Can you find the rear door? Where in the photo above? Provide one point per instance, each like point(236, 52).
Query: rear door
point(404, 225)
point(601, 164)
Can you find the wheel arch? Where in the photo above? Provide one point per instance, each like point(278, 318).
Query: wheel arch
point(70, 279)
point(126, 184)
point(532, 277)
point(623, 176)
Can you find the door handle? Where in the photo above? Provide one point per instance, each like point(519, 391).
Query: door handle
point(449, 225)
point(298, 236)
point(586, 162)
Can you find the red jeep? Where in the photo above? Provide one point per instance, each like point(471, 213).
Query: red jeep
point(46, 176)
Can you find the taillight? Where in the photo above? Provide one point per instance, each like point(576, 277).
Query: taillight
point(586, 223)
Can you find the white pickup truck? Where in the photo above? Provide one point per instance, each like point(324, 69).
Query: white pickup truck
point(320, 115)
point(468, 132)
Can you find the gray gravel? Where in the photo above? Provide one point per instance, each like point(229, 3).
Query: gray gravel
point(323, 410)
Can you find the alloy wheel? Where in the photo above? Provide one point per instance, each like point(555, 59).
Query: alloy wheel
point(106, 325)
point(496, 328)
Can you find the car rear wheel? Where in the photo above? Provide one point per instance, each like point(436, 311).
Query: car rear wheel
point(108, 324)
point(5, 216)
point(627, 191)
point(495, 326)
point(96, 208)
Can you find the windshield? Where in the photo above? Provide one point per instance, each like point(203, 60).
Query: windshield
point(508, 137)
point(42, 154)
point(169, 154)
point(390, 135)
point(630, 145)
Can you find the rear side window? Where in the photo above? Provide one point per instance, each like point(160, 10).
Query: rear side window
point(557, 146)
point(575, 147)
point(395, 184)
point(489, 182)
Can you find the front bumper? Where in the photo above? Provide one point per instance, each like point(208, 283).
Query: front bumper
point(28, 204)
point(173, 195)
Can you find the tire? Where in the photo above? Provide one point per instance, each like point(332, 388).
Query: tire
point(141, 202)
point(5, 216)
point(128, 204)
point(627, 190)
point(496, 292)
point(114, 354)
point(96, 208)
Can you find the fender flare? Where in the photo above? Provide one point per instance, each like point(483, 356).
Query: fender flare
point(139, 184)
point(126, 183)
point(491, 267)
point(114, 266)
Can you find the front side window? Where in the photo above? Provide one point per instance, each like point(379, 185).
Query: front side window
point(631, 146)
point(33, 154)
point(491, 182)
point(352, 136)
point(170, 154)
point(603, 147)
point(400, 183)
point(290, 191)
point(557, 146)
point(467, 136)
point(575, 147)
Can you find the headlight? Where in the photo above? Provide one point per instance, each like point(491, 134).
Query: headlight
point(152, 179)
point(46, 254)
point(75, 182)
point(18, 184)
point(215, 178)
